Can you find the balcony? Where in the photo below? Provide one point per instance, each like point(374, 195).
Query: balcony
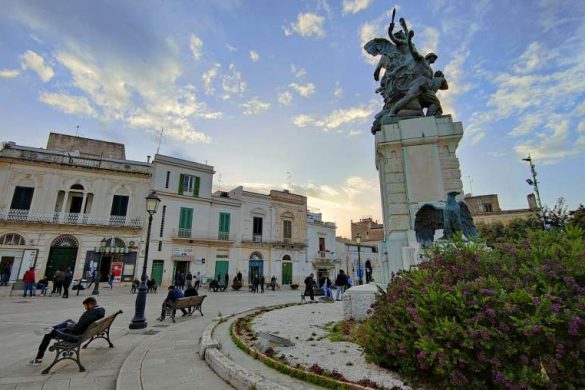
point(324, 257)
point(182, 234)
point(257, 238)
point(59, 218)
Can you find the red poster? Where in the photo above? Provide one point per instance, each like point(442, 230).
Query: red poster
point(117, 270)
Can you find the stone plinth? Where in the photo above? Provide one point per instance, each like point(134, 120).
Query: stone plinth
point(416, 164)
point(357, 301)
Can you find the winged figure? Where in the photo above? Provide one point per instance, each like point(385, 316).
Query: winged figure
point(454, 217)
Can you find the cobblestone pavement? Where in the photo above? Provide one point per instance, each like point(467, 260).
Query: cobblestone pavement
point(169, 350)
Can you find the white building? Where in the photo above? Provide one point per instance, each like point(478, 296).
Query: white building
point(364, 256)
point(222, 233)
point(322, 258)
point(76, 204)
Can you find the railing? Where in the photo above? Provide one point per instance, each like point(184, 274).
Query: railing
point(324, 255)
point(257, 238)
point(16, 215)
point(189, 234)
point(223, 236)
point(287, 240)
point(183, 233)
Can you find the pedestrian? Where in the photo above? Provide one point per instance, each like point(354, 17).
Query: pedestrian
point(134, 287)
point(197, 280)
point(6, 270)
point(349, 282)
point(57, 282)
point(340, 283)
point(189, 278)
point(67, 279)
point(262, 283)
point(70, 330)
point(273, 282)
point(226, 278)
point(256, 283)
point(150, 285)
point(190, 292)
point(29, 281)
point(239, 276)
point(111, 280)
point(42, 285)
point(326, 286)
point(309, 283)
point(172, 296)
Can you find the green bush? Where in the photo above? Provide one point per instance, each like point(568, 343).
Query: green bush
point(470, 317)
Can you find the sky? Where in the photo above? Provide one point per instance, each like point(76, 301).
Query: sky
point(280, 94)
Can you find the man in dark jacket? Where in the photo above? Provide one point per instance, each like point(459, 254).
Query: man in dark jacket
point(340, 283)
point(70, 330)
point(172, 296)
point(309, 282)
point(190, 292)
point(67, 280)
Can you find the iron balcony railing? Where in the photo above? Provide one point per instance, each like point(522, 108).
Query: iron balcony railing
point(16, 215)
point(185, 233)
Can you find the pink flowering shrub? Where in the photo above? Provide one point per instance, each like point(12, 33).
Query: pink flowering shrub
point(512, 317)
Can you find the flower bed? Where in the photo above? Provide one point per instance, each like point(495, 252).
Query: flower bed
point(511, 317)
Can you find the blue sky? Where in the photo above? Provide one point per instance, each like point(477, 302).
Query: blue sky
point(280, 93)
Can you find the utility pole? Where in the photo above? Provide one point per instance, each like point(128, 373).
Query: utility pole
point(534, 183)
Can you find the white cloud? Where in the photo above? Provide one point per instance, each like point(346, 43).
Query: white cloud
point(208, 78)
point(338, 92)
point(254, 106)
point(298, 72)
point(33, 61)
point(533, 58)
point(307, 24)
point(196, 44)
point(68, 104)
point(304, 90)
point(9, 73)
point(355, 6)
point(230, 48)
point(285, 98)
point(232, 83)
point(429, 40)
point(336, 118)
point(368, 31)
point(254, 56)
point(354, 132)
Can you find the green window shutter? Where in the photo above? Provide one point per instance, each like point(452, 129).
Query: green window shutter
point(227, 223)
point(196, 186)
point(181, 183)
point(185, 218)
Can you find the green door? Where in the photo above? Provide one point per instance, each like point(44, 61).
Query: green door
point(286, 273)
point(221, 268)
point(157, 271)
point(59, 260)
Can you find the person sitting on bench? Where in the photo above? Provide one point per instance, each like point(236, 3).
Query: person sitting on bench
point(190, 292)
point(172, 296)
point(70, 330)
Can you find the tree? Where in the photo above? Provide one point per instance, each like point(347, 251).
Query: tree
point(558, 216)
point(577, 218)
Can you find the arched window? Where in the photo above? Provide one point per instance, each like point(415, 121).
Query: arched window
point(65, 241)
point(256, 256)
point(12, 239)
point(118, 243)
point(286, 258)
point(78, 187)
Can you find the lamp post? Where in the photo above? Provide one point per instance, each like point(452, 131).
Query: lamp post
point(96, 274)
point(534, 183)
point(139, 321)
point(358, 239)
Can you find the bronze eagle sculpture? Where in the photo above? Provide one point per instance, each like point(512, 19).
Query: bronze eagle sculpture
point(454, 217)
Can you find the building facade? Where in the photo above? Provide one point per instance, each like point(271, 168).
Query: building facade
point(367, 229)
point(359, 259)
point(485, 209)
point(321, 259)
point(77, 204)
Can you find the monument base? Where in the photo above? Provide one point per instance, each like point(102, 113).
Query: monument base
point(358, 300)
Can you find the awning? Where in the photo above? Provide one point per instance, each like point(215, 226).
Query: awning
point(109, 249)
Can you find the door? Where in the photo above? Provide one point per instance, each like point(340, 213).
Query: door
point(180, 267)
point(221, 269)
point(105, 265)
point(60, 259)
point(256, 268)
point(286, 273)
point(157, 271)
point(7, 260)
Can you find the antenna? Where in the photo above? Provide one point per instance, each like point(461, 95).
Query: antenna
point(219, 182)
point(289, 180)
point(159, 140)
point(77, 131)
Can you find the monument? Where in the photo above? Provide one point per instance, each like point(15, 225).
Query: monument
point(415, 149)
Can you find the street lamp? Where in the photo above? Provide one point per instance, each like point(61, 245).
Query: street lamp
point(139, 321)
point(358, 239)
point(96, 275)
point(534, 183)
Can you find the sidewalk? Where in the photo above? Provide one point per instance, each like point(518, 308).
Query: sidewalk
point(165, 357)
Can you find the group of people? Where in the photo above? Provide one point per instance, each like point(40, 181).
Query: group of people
point(342, 282)
point(181, 279)
point(61, 282)
point(175, 293)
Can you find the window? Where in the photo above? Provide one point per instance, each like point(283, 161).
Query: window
point(160, 246)
point(287, 230)
point(257, 229)
point(487, 208)
point(22, 198)
point(12, 239)
point(189, 185)
point(167, 179)
point(162, 220)
point(224, 226)
point(119, 206)
point(321, 244)
point(185, 222)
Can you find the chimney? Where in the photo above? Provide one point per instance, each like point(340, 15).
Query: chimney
point(532, 205)
point(148, 159)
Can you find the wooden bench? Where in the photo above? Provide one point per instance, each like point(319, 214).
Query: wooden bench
point(65, 348)
point(184, 303)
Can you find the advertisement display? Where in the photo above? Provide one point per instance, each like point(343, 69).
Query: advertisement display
point(29, 259)
point(117, 270)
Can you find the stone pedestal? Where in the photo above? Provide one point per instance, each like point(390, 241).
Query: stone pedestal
point(357, 301)
point(416, 164)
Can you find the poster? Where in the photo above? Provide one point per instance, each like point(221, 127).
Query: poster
point(29, 259)
point(117, 270)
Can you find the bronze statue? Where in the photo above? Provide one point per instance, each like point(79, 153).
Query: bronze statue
point(408, 85)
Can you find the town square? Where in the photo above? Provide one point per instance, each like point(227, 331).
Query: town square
point(310, 194)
